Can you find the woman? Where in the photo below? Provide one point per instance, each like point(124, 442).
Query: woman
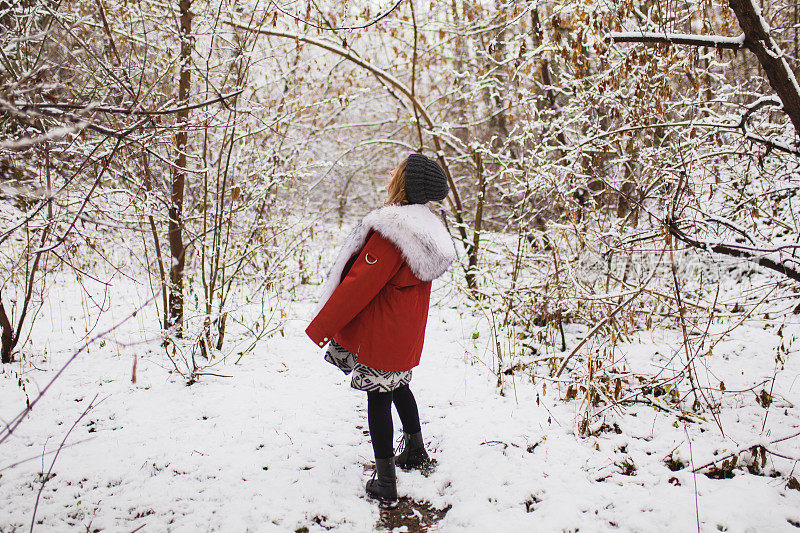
point(374, 307)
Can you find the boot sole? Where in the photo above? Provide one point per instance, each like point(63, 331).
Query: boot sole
point(383, 503)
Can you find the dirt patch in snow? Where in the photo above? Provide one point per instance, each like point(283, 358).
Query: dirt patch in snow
point(417, 516)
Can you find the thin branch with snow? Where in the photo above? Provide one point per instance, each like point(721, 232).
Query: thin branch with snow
point(709, 41)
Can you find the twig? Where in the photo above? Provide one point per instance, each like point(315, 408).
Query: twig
point(107, 29)
point(773, 452)
point(46, 475)
point(361, 27)
point(41, 455)
point(690, 371)
point(130, 111)
point(414, 72)
point(211, 374)
point(708, 41)
point(746, 448)
point(86, 199)
point(732, 251)
point(771, 388)
point(496, 442)
point(694, 475)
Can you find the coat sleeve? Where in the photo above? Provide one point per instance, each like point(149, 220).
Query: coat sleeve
point(377, 262)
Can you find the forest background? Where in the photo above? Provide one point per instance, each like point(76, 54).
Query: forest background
point(616, 169)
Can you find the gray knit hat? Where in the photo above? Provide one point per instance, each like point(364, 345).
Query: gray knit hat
point(425, 180)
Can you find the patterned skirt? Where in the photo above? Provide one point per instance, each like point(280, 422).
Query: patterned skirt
point(365, 378)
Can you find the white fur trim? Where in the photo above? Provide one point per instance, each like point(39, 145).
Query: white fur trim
point(419, 235)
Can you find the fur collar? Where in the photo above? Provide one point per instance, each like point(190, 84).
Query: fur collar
point(419, 235)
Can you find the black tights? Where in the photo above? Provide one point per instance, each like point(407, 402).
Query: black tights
point(379, 417)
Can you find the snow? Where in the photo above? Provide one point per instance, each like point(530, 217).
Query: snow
point(53, 134)
point(766, 100)
point(282, 443)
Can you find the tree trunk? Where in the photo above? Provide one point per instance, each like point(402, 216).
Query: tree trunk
point(6, 335)
point(176, 246)
point(472, 251)
point(770, 56)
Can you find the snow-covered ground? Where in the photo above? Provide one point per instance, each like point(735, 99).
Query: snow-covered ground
point(282, 445)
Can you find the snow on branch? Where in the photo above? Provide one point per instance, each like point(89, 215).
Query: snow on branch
point(126, 110)
point(764, 101)
point(756, 256)
point(760, 103)
point(772, 145)
point(710, 41)
point(75, 113)
point(52, 135)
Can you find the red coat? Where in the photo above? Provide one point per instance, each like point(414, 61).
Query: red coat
point(378, 311)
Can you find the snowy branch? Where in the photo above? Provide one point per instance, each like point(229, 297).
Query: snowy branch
point(126, 110)
point(733, 251)
point(764, 101)
point(760, 103)
point(750, 447)
point(52, 135)
point(775, 145)
point(710, 41)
